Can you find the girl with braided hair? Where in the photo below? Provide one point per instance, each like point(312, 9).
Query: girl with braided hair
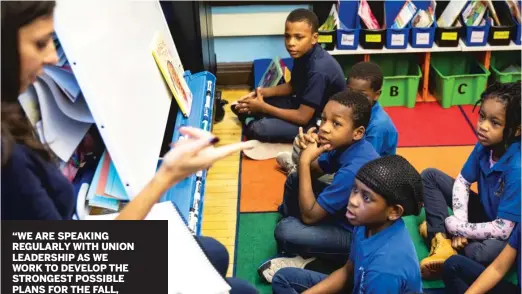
point(483, 222)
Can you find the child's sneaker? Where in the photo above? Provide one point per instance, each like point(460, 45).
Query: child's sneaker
point(287, 165)
point(240, 116)
point(268, 269)
point(441, 250)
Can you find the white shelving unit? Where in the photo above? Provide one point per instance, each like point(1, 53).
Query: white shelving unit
point(460, 48)
point(488, 47)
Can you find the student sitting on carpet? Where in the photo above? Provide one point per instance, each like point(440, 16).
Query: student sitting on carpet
point(313, 223)
point(459, 271)
point(481, 223)
point(382, 255)
point(315, 76)
point(381, 133)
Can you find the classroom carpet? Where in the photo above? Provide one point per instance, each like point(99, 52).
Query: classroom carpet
point(429, 137)
point(428, 124)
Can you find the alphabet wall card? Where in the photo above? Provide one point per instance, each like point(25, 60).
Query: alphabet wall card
point(172, 70)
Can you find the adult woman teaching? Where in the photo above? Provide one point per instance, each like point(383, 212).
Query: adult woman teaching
point(33, 188)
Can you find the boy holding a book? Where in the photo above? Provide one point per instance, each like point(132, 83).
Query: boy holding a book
point(275, 114)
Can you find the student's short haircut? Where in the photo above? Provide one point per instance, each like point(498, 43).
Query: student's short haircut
point(359, 103)
point(367, 71)
point(302, 14)
point(396, 180)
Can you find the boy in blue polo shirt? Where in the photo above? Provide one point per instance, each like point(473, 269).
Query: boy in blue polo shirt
point(367, 78)
point(460, 272)
point(382, 255)
point(316, 75)
point(481, 223)
point(313, 223)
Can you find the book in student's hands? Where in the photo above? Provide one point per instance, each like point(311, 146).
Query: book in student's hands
point(172, 70)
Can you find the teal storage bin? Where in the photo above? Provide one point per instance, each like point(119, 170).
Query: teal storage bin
point(457, 79)
point(402, 75)
point(505, 67)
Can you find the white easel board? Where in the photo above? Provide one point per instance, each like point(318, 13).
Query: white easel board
point(108, 46)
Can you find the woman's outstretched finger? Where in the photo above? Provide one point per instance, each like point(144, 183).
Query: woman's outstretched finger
point(195, 132)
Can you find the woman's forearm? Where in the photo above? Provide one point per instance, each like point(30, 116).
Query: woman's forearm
point(139, 207)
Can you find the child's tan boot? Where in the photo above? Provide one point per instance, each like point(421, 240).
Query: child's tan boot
point(431, 266)
point(423, 230)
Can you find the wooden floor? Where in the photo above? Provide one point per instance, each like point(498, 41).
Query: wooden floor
point(220, 208)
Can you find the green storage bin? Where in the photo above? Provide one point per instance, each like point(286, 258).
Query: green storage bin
point(402, 75)
point(505, 67)
point(457, 79)
point(347, 61)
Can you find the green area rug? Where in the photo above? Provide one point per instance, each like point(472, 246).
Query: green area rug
point(255, 244)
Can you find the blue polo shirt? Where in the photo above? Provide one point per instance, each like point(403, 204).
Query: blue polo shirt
point(33, 189)
point(316, 76)
point(381, 132)
point(344, 163)
point(514, 242)
point(386, 262)
point(498, 186)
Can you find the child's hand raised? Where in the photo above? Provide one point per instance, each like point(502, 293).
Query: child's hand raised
point(303, 140)
point(312, 152)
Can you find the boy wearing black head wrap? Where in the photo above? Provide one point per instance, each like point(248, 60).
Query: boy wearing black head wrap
point(382, 257)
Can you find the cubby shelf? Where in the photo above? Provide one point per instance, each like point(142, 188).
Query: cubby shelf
point(483, 53)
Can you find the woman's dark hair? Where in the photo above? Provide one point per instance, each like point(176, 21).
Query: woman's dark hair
point(16, 128)
point(509, 95)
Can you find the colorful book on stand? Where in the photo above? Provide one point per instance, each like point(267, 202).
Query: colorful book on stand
point(287, 74)
point(405, 15)
point(493, 12)
point(331, 21)
point(514, 8)
point(272, 75)
point(365, 13)
point(451, 13)
point(474, 13)
point(172, 71)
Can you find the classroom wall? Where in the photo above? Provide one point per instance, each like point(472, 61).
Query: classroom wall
point(245, 33)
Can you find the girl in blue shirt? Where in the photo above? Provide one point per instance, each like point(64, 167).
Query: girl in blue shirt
point(482, 222)
point(32, 186)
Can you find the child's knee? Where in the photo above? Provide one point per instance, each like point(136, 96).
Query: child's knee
point(283, 231)
point(484, 252)
point(257, 130)
point(429, 175)
point(451, 264)
point(288, 230)
point(281, 279)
